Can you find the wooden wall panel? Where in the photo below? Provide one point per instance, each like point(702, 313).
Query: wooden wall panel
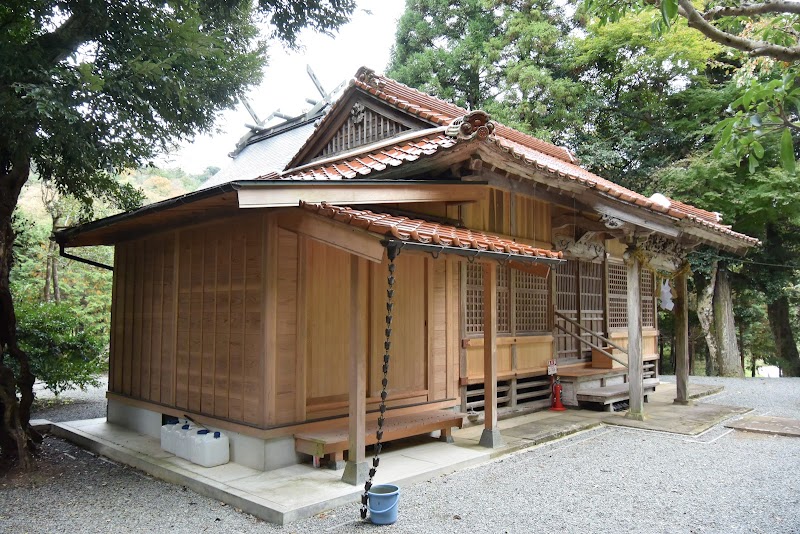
point(534, 355)
point(207, 320)
point(236, 345)
point(438, 329)
point(532, 219)
point(153, 341)
point(130, 288)
point(286, 357)
point(329, 319)
point(197, 262)
point(408, 369)
point(221, 324)
point(184, 317)
point(169, 312)
point(117, 341)
point(254, 322)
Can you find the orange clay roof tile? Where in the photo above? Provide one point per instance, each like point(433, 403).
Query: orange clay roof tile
point(425, 232)
point(543, 156)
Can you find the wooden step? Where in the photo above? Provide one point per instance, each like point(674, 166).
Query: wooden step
point(335, 440)
point(615, 393)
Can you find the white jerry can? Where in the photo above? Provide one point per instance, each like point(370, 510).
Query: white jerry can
point(213, 449)
point(196, 443)
point(183, 441)
point(168, 433)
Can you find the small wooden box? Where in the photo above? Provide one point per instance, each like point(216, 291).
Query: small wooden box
point(601, 361)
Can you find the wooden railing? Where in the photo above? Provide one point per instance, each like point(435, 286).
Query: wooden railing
point(602, 349)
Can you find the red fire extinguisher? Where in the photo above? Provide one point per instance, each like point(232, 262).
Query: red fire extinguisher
point(556, 405)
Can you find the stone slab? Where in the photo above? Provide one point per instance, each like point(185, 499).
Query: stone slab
point(779, 426)
point(689, 420)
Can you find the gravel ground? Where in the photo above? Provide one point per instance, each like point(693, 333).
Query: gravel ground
point(611, 479)
point(71, 405)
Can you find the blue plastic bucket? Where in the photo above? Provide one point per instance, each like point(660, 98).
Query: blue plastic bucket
point(382, 504)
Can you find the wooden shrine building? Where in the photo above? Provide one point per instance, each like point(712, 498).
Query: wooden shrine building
point(258, 306)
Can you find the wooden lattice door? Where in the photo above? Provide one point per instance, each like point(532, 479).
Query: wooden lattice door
point(567, 304)
point(592, 308)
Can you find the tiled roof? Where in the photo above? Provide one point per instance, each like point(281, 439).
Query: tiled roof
point(393, 154)
point(543, 156)
point(436, 110)
point(426, 232)
point(561, 169)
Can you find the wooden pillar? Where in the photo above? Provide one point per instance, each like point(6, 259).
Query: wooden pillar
point(635, 385)
point(491, 434)
point(356, 469)
point(681, 347)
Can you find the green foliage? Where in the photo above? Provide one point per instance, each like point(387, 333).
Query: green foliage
point(766, 113)
point(65, 352)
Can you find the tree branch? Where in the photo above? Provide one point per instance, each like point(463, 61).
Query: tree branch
point(79, 28)
point(756, 48)
point(749, 10)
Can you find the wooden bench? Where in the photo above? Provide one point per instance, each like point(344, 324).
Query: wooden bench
point(608, 395)
point(334, 441)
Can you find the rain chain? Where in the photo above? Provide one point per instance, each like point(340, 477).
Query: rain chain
point(391, 252)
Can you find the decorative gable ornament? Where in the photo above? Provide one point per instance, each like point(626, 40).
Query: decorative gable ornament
point(662, 255)
point(477, 123)
point(589, 247)
point(357, 113)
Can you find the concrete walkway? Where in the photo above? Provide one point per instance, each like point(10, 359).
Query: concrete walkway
point(287, 494)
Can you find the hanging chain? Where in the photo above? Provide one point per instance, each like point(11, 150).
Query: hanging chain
point(392, 254)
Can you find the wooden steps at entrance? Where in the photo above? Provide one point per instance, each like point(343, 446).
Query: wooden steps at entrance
point(583, 383)
point(608, 395)
point(333, 441)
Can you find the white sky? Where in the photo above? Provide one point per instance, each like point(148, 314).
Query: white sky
point(367, 40)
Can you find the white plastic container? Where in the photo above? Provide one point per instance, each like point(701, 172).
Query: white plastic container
point(183, 441)
point(212, 449)
point(196, 443)
point(168, 433)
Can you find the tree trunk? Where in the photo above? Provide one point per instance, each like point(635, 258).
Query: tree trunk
point(46, 290)
point(54, 271)
point(15, 433)
point(705, 313)
point(728, 361)
point(741, 345)
point(781, 326)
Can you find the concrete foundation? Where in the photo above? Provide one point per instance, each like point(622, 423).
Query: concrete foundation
point(255, 453)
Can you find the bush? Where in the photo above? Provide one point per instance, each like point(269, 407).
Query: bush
point(65, 352)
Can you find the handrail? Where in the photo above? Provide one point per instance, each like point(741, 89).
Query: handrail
point(595, 334)
point(591, 332)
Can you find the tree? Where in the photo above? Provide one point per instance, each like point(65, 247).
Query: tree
point(88, 88)
point(766, 33)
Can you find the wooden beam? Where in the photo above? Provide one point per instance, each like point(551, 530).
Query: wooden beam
point(290, 195)
point(491, 433)
point(636, 387)
point(681, 311)
point(355, 472)
point(353, 240)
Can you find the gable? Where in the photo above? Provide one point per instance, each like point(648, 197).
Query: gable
point(359, 119)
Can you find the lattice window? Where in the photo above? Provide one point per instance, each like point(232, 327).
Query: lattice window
point(617, 295)
point(503, 300)
point(532, 296)
point(648, 302)
point(531, 300)
point(474, 283)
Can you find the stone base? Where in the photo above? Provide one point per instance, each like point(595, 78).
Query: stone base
point(355, 473)
point(491, 439)
point(636, 416)
point(683, 402)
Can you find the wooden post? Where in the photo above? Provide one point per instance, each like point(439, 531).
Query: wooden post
point(635, 385)
point(491, 434)
point(355, 471)
point(681, 346)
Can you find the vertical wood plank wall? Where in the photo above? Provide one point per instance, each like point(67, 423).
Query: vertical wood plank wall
point(188, 319)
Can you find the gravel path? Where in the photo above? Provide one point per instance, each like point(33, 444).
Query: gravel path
point(606, 480)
